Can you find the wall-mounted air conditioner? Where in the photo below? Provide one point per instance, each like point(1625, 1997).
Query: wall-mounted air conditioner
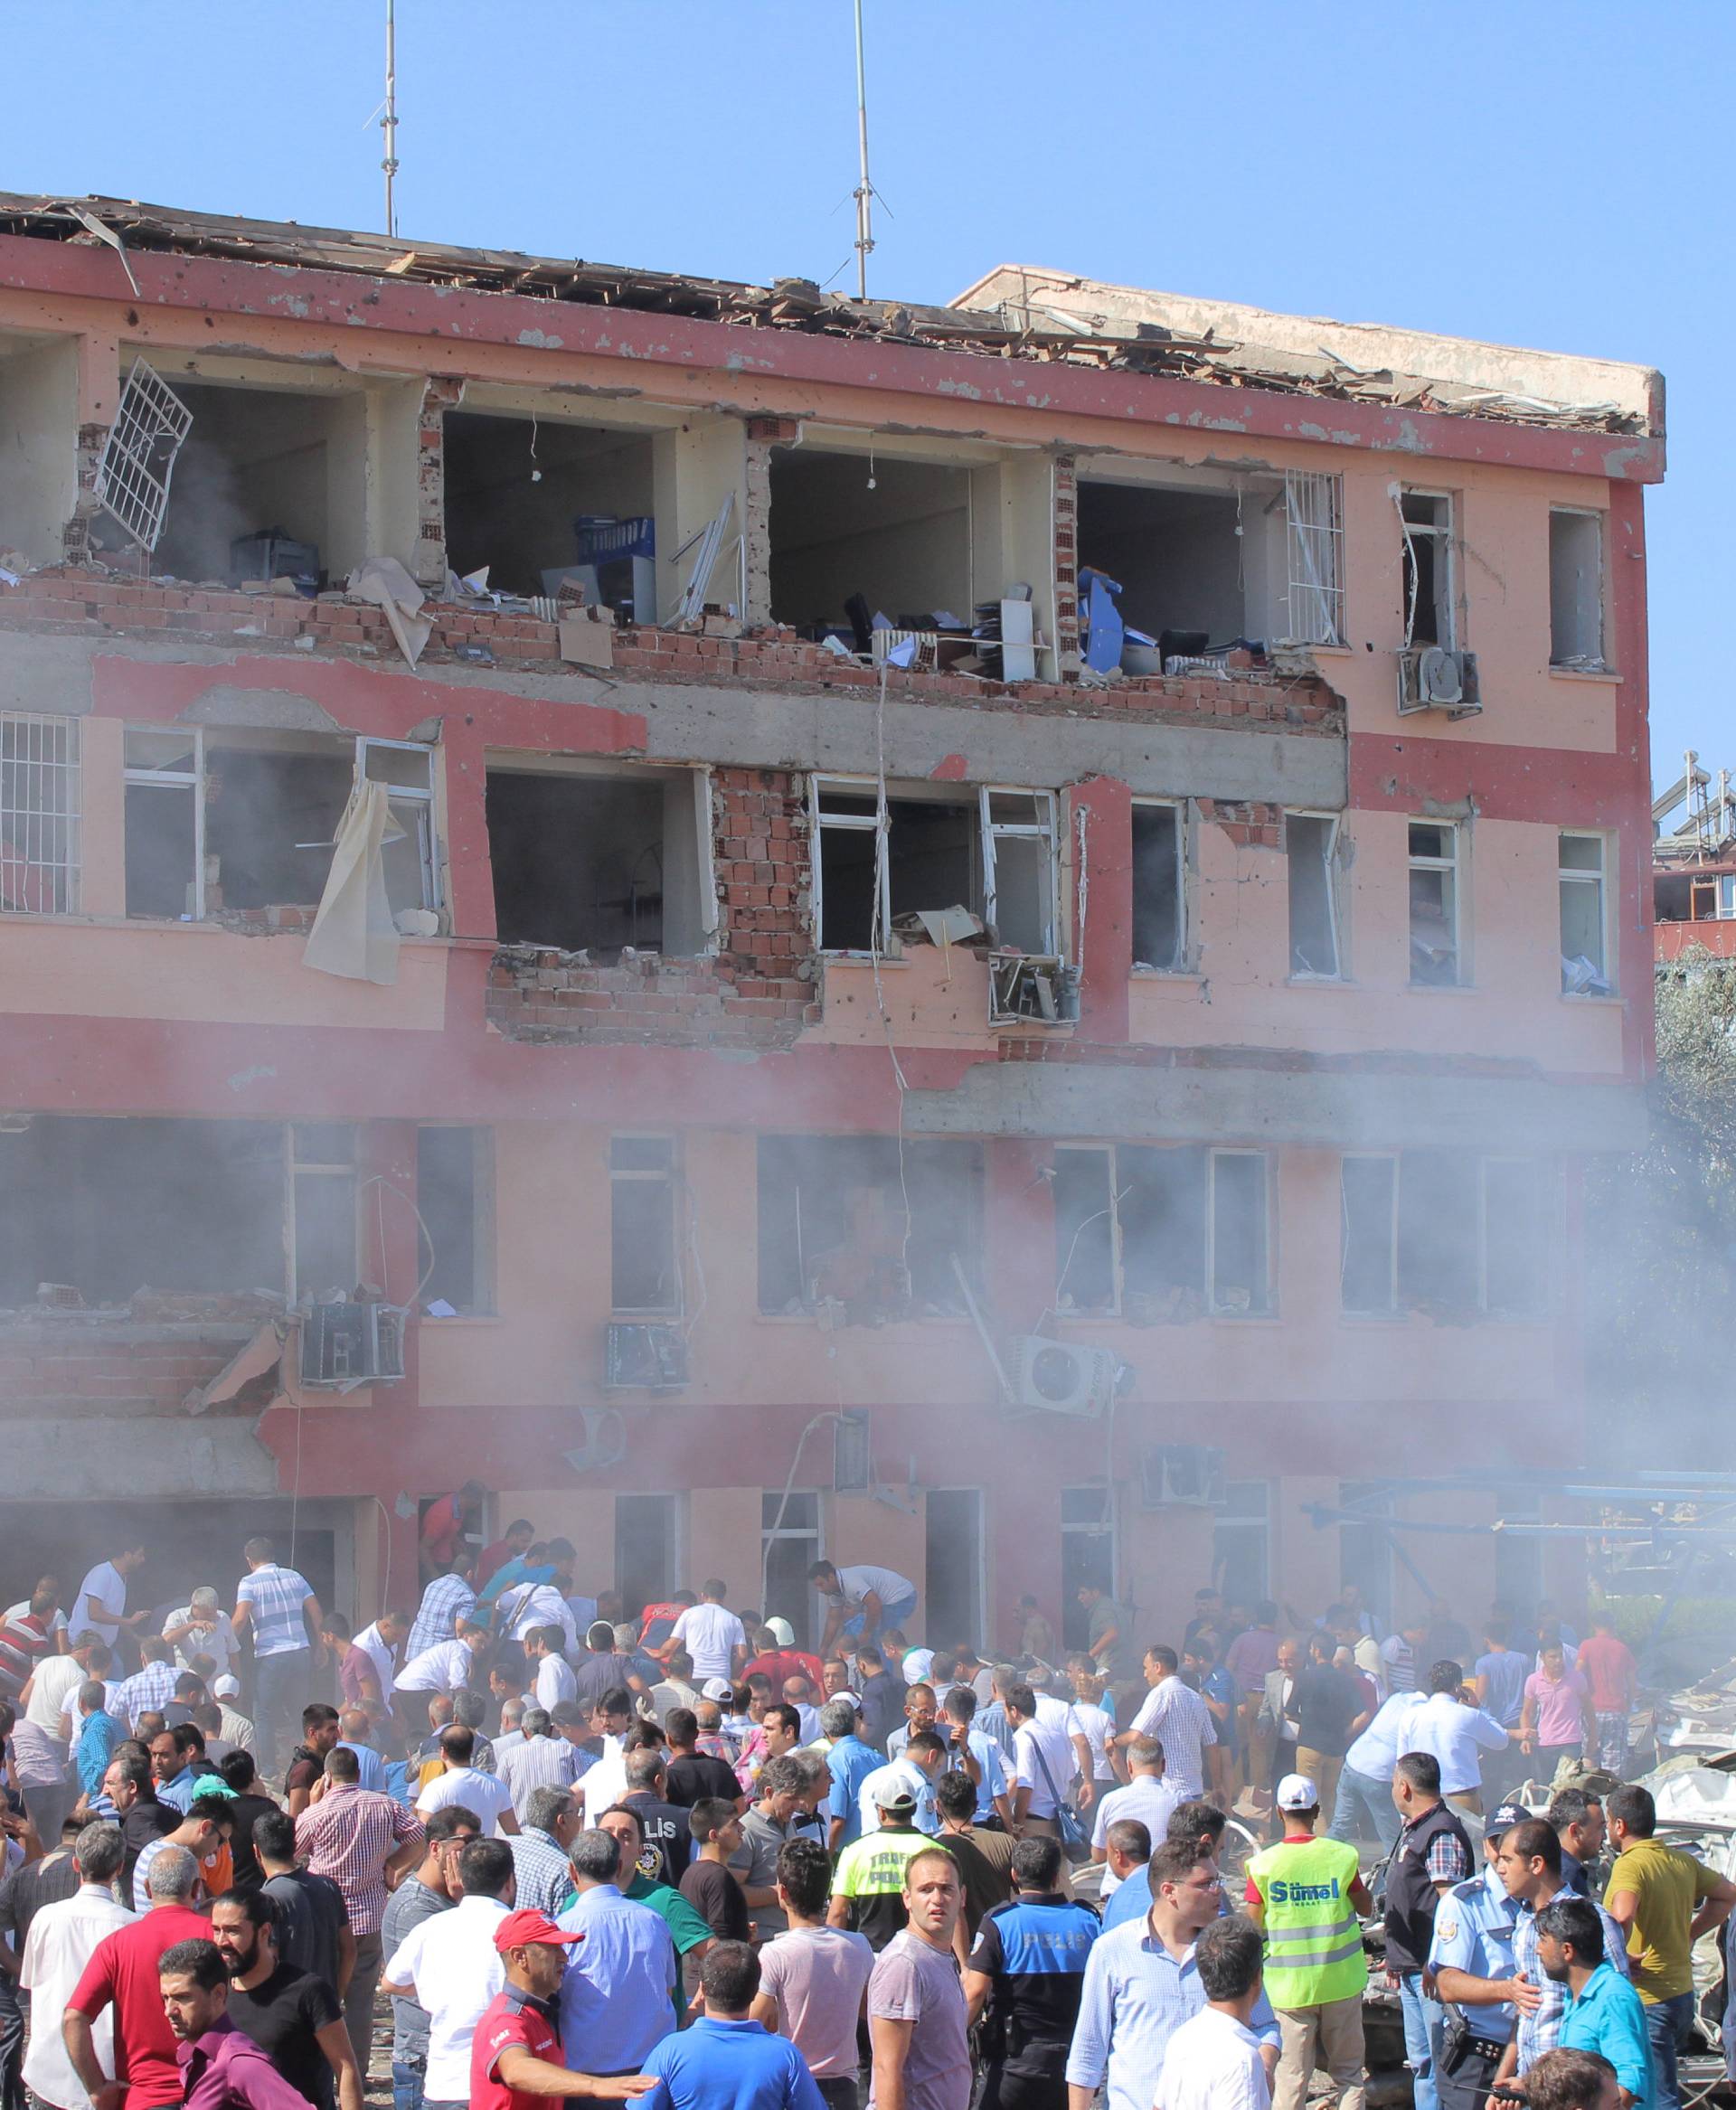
point(1032, 989)
point(852, 1462)
point(343, 1345)
point(1182, 1476)
point(1432, 678)
point(642, 1358)
point(1060, 1377)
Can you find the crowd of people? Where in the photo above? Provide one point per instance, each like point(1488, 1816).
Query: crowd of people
point(679, 1857)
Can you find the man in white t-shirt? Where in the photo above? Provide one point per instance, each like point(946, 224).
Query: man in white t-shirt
point(1147, 1799)
point(101, 1605)
point(713, 1635)
point(861, 1602)
point(484, 1792)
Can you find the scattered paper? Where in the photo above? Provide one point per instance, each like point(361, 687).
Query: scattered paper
point(384, 581)
point(441, 1309)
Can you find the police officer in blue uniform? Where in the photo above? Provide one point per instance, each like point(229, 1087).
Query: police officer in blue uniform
point(1474, 1968)
point(1027, 1968)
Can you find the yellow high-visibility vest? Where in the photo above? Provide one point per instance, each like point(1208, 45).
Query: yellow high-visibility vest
point(1314, 1939)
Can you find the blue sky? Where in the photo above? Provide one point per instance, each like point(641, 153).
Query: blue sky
point(1551, 175)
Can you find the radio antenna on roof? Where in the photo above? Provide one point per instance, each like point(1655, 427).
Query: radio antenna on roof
point(864, 188)
point(389, 115)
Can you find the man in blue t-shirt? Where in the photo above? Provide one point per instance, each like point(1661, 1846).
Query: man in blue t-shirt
point(728, 2061)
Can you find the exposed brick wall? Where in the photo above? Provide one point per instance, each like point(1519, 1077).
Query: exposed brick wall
point(441, 393)
point(109, 1366)
point(83, 601)
point(1066, 475)
point(756, 991)
point(1248, 823)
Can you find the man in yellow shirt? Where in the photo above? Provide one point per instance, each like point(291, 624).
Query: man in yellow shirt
point(1664, 1900)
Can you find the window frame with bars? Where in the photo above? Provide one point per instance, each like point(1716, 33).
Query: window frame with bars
point(1314, 521)
point(27, 820)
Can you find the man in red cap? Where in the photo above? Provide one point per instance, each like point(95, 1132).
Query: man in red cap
point(515, 2056)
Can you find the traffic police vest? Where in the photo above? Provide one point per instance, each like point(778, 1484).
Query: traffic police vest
point(1313, 1940)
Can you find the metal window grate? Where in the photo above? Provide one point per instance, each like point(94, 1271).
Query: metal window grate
point(1314, 505)
point(138, 456)
point(39, 813)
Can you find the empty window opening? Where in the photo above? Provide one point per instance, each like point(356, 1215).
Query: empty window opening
point(1427, 519)
point(896, 532)
point(1434, 905)
point(165, 821)
point(1701, 897)
point(835, 1233)
point(953, 1561)
point(1516, 1239)
point(1369, 1254)
point(1159, 888)
point(540, 500)
point(1446, 1234)
point(1576, 625)
point(1165, 1234)
point(648, 1565)
point(644, 1202)
point(1241, 1534)
point(1310, 843)
point(1584, 917)
point(322, 1208)
point(454, 1199)
point(789, 1544)
point(39, 809)
point(597, 862)
point(1181, 558)
point(110, 1207)
point(993, 852)
point(268, 484)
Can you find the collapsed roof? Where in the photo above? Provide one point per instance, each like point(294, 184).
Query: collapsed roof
point(1014, 312)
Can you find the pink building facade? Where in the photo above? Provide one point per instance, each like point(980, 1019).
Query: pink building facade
point(1222, 1159)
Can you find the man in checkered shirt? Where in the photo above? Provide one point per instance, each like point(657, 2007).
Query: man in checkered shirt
point(446, 1600)
point(277, 1605)
point(152, 1685)
point(1531, 1869)
point(364, 1841)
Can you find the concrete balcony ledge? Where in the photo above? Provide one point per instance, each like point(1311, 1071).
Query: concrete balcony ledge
point(73, 600)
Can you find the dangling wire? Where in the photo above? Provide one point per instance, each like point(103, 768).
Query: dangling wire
point(871, 465)
point(536, 473)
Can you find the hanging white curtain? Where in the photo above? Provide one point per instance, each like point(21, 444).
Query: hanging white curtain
point(354, 934)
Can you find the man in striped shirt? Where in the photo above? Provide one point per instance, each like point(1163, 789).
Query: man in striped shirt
point(279, 1606)
point(541, 1758)
point(446, 1599)
point(362, 1841)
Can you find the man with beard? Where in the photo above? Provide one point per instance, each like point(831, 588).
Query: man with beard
point(295, 2020)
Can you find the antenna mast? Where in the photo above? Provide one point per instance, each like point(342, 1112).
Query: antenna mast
point(864, 189)
point(389, 117)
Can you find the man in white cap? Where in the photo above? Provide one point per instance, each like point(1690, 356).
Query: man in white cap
point(1306, 1895)
point(237, 1729)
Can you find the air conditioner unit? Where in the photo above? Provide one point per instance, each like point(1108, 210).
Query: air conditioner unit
point(1182, 1476)
point(1032, 989)
point(1432, 678)
point(640, 1358)
point(1059, 1378)
point(853, 1463)
point(343, 1345)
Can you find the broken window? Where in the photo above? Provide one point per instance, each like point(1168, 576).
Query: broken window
point(1434, 905)
point(39, 813)
point(1438, 1247)
point(407, 770)
point(455, 1201)
point(165, 822)
point(1309, 842)
point(1584, 926)
point(537, 500)
point(1166, 1233)
point(110, 1207)
point(1159, 886)
point(1516, 1239)
point(268, 483)
point(1576, 637)
point(597, 859)
point(1313, 508)
point(1430, 610)
point(882, 530)
point(1178, 556)
point(321, 1195)
point(992, 852)
point(868, 1227)
point(644, 1271)
point(1368, 1271)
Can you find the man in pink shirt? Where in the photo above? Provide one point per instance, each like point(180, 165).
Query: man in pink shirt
point(1556, 1721)
point(1606, 1662)
point(221, 2068)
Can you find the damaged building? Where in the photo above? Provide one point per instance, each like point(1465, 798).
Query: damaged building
point(993, 938)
